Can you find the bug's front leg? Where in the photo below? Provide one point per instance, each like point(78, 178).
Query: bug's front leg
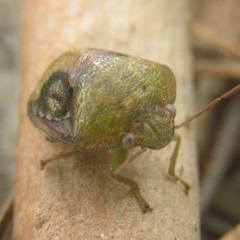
point(61, 155)
point(118, 158)
point(173, 162)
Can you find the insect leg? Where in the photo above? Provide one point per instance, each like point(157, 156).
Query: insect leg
point(61, 155)
point(118, 158)
point(128, 161)
point(173, 163)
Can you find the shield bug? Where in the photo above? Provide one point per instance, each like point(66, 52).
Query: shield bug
point(96, 99)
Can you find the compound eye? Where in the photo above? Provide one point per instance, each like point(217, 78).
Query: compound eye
point(171, 109)
point(55, 98)
point(128, 141)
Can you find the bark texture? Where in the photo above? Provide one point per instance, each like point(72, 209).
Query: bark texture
point(77, 198)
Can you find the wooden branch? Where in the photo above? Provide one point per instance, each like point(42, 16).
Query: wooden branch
point(77, 198)
point(215, 39)
point(218, 68)
point(6, 217)
point(234, 234)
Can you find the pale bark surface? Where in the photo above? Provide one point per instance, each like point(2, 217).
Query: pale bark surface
point(77, 198)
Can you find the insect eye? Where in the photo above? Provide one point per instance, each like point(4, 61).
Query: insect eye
point(55, 97)
point(128, 141)
point(171, 109)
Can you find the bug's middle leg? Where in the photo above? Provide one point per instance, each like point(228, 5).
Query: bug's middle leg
point(118, 159)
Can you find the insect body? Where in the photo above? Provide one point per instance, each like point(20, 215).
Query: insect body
point(95, 99)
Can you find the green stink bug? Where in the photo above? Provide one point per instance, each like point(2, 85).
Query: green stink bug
point(96, 99)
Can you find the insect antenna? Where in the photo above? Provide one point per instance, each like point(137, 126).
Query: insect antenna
point(212, 104)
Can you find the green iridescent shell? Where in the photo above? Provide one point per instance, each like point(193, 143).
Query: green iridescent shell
point(93, 98)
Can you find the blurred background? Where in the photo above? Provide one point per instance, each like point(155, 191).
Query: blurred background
point(215, 38)
point(9, 92)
